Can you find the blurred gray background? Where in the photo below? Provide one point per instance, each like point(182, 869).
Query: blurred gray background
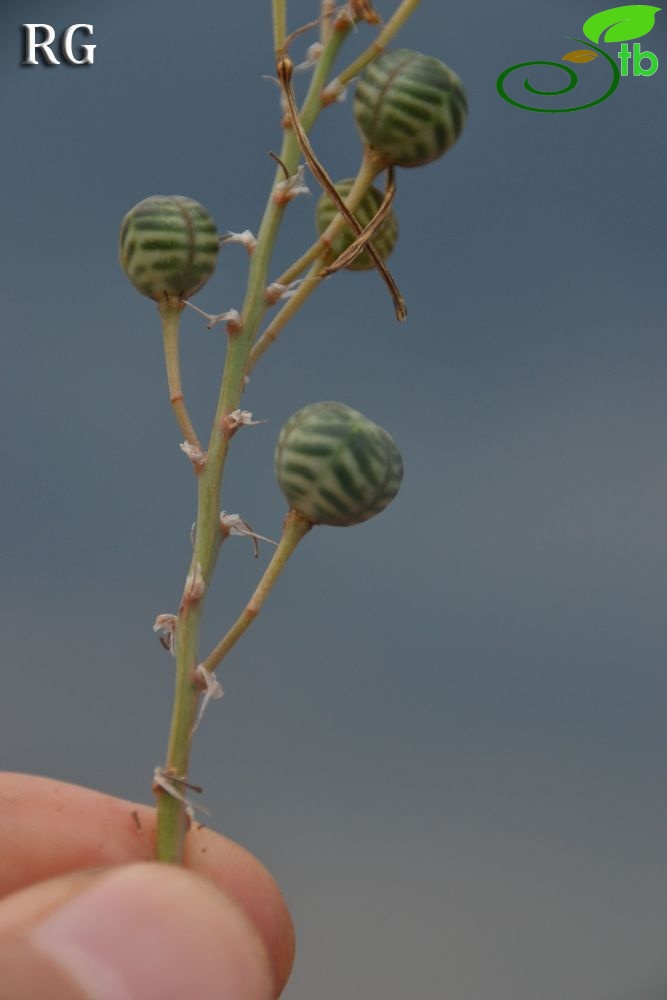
point(445, 735)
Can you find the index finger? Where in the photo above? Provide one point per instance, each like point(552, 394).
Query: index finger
point(50, 828)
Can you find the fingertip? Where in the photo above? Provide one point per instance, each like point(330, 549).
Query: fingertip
point(88, 829)
point(253, 887)
point(149, 931)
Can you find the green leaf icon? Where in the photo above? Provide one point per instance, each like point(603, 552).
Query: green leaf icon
point(621, 24)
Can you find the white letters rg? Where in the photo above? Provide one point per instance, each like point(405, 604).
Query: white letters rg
point(87, 53)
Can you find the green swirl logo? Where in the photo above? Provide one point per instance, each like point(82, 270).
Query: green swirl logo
point(618, 24)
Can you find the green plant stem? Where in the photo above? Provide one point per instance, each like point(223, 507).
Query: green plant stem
point(402, 14)
point(279, 25)
point(170, 313)
point(326, 27)
point(171, 820)
point(295, 528)
point(282, 318)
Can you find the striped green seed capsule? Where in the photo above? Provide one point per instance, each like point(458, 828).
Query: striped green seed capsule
point(335, 466)
point(384, 239)
point(168, 246)
point(410, 108)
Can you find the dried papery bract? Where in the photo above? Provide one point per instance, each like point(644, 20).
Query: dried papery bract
point(362, 10)
point(369, 213)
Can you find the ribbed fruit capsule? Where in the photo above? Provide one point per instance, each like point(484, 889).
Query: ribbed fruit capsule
point(335, 466)
point(168, 246)
point(384, 239)
point(410, 108)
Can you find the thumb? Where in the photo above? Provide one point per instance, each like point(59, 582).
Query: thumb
point(139, 932)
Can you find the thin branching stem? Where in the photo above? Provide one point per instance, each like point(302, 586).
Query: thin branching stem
point(208, 537)
point(279, 24)
point(295, 528)
point(368, 171)
point(326, 26)
point(402, 13)
point(171, 815)
point(170, 313)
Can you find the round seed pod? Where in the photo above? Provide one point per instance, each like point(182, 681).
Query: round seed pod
point(410, 108)
point(335, 466)
point(168, 246)
point(384, 239)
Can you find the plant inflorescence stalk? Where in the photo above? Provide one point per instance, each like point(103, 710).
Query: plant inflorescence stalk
point(171, 817)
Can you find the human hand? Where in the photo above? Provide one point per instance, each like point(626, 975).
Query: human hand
point(84, 916)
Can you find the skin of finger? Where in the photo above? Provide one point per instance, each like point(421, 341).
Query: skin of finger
point(26, 974)
point(20, 910)
point(50, 828)
point(170, 915)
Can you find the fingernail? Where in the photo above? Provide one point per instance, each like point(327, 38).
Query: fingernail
point(156, 932)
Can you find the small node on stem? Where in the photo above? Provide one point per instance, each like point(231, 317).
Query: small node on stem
point(246, 239)
point(165, 626)
point(231, 422)
point(172, 785)
point(232, 317)
point(194, 586)
point(285, 191)
point(234, 321)
point(334, 93)
point(312, 55)
point(274, 293)
point(233, 524)
point(196, 455)
point(212, 689)
point(277, 292)
point(345, 20)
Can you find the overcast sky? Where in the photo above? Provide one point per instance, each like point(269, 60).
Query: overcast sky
point(445, 734)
